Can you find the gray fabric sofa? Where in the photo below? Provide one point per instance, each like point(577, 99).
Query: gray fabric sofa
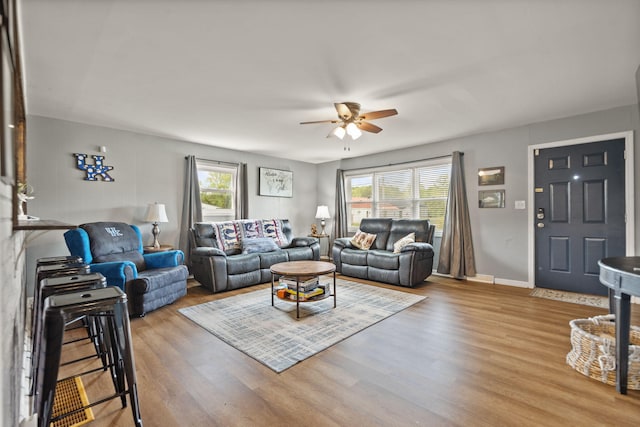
point(408, 268)
point(222, 258)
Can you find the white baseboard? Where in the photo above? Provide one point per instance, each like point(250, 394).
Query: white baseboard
point(488, 278)
point(516, 283)
point(482, 278)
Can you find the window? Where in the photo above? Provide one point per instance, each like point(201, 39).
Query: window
point(415, 191)
point(218, 184)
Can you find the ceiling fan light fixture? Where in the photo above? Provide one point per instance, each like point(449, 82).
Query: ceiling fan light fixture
point(353, 131)
point(339, 132)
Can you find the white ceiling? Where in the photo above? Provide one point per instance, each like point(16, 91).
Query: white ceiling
point(242, 74)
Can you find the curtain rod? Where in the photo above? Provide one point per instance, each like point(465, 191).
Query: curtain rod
point(402, 163)
point(215, 161)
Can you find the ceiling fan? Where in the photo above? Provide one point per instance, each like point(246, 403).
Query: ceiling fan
point(351, 122)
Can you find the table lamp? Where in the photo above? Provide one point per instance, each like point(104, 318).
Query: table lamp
point(156, 213)
point(322, 214)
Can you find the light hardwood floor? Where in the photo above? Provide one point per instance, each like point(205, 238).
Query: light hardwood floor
point(470, 355)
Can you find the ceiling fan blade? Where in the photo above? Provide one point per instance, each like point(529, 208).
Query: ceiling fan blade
point(320, 121)
point(378, 114)
point(369, 127)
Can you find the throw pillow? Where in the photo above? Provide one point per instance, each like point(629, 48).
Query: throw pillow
point(363, 240)
point(273, 228)
point(259, 244)
point(409, 238)
point(227, 235)
point(251, 229)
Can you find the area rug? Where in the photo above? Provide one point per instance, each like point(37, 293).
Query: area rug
point(274, 337)
point(572, 297)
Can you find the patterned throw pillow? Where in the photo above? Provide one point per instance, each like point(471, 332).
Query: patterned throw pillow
point(363, 240)
point(227, 235)
point(259, 245)
point(273, 228)
point(251, 229)
point(409, 238)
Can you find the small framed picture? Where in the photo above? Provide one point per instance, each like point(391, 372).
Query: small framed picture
point(491, 176)
point(491, 199)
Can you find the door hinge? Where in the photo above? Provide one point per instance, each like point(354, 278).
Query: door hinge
point(536, 152)
point(624, 154)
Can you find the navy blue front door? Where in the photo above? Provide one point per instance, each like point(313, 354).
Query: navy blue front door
point(579, 213)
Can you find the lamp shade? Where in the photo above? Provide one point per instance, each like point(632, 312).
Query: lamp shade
point(156, 213)
point(339, 132)
point(323, 212)
point(353, 131)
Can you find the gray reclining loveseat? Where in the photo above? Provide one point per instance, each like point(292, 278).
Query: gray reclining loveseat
point(409, 267)
point(234, 254)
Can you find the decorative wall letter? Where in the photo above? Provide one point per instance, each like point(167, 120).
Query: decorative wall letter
point(93, 171)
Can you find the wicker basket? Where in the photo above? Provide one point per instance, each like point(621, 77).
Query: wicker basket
point(593, 351)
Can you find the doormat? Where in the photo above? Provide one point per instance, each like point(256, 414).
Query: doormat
point(274, 337)
point(572, 297)
point(71, 395)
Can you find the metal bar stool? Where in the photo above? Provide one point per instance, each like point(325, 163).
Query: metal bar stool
point(52, 270)
point(109, 303)
point(63, 259)
point(65, 284)
point(48, 268)
point(42, 273)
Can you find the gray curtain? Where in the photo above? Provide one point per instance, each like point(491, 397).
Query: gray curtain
point(340, 225)
point(242, 193)
point(191, 206)
point(456, 249)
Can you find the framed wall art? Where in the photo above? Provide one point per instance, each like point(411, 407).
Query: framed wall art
point(491, 199)
point(491, 176)
point(275, 183)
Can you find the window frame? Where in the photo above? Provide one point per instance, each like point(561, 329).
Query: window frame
point(204, 165)
point(375, 172)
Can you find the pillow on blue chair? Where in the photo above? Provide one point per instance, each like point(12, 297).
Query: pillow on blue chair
point(259, 244)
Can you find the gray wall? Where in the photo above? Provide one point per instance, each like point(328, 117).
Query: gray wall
point(500, 236)
point(147, 169)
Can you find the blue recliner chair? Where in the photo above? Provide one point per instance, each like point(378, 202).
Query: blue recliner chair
point(115, 249)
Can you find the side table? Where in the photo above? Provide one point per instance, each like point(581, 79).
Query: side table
point(162, 248)
point(622, 276)
point(328, 251)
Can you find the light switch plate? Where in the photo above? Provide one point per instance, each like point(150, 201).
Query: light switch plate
point(520, 204)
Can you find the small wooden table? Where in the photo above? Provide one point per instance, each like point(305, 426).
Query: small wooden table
point(326, 257)
point(622, 276)
point(152, 249)
point(300, 269)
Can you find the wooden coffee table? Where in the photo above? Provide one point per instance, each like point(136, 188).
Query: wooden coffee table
point(300, 269)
